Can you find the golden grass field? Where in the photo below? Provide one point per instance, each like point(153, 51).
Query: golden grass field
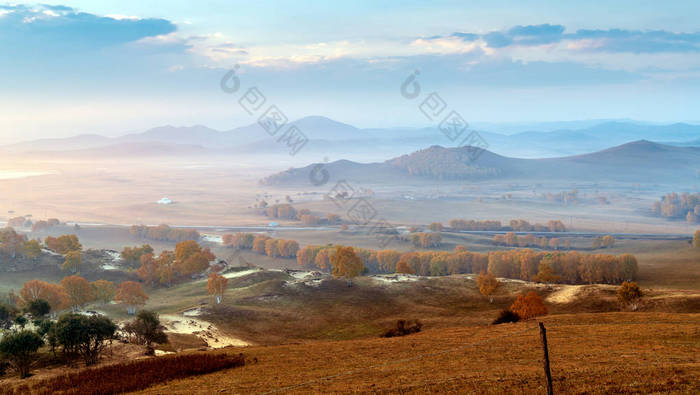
point(590, 354)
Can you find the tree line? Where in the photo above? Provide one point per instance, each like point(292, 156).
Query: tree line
point(684, 206)
point(518, 225)
point(287, 211)
point(163, 233)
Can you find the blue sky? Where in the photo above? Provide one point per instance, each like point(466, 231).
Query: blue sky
point(111, 67)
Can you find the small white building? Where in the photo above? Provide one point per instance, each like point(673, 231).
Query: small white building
point(164, 200)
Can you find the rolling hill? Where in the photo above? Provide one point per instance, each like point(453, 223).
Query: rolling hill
point(639, 161)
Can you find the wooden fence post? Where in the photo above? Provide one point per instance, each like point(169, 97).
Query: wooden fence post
point(545, 361)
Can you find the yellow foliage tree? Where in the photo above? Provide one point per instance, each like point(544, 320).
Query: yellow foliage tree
point(216, 285)
point(346, 264)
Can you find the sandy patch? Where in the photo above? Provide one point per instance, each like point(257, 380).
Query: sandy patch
point(241, 273)
point(566, 294)
point(394, 278)
point(205, 330)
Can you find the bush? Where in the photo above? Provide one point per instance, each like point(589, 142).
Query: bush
point(403, 328)
point(506, 316)
point(529, 306)
point(130, 376)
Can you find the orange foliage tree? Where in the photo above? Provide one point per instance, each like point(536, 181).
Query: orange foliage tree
point(216, 285)
point(104, 290)
point(52, 293)
point(404, 267)
point(190, 258)
point(63, 244)
point(529, 306)
point(149, 271)
point(346, 264)
point(78, 290)
point(130, 294)
point(629, 293)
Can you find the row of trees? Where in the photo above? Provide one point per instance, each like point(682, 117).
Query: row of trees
point(26, 221)
point(262, 244)
point(530, 240)
point(525, 264)
point(163, 233)
point(188, 260)
point(685, 206)
point(426, 240)
point(518, 225)
point(603, 242)
point(287, 211)
point(75, 292)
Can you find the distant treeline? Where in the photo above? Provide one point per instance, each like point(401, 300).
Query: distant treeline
point(163, 233)
point(262, 244)
point(684, 206)
point(518, 225)
point(287, 211)
point(525, 264)
point(25, 221)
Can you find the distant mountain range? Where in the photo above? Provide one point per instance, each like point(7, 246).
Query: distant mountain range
point(639, 161)
point(329, 138)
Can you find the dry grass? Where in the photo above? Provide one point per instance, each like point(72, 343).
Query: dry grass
point(129, 376)
point(590, 353)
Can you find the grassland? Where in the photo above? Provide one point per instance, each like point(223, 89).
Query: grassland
point(590, 353)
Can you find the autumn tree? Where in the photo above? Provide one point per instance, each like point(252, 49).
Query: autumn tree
point(190, 258)
point(323, 258)
point(404, 268)
point(31, 249)
point(149, 271)
point(529, 306)
point(72, 262)
point(629, 293)
point(216, 285)
point(488, 284)
point(52, 293)
point(346, 264)
point(132, 255)
point(166, 263)
point(103, 290)
point(387, 260)
point(545, 272)
point(78, 290)
point(696, 239)
point(130, 294)
point(607, 241)
point(63, 244)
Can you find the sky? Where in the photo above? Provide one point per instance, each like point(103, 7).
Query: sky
point(113, 67)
